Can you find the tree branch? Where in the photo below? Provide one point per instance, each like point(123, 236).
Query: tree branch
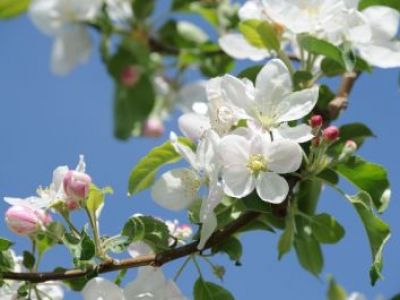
point(157, 260)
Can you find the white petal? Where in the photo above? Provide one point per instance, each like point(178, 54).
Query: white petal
point(272, 84)
point(382, 54)
point(102, 289)
point(297, 105)
point(251, 10)
point(236, 46)
point(272, 188)
point(139, 248)
point(237, 92)
point(186, 152)
point(51, 289)
point(81, 166)
point(58, 177)
point(283, 156)
point(190, 94)
point(71, 47)
point(300, 134)
point(148, 283)
point(176, 189)
point(43, 15)
point(193, 125)
point(33, 202)
point(207, 215)
point(172, 292)
point(384, 21)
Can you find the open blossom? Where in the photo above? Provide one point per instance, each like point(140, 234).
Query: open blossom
point(24, 220)
point(256, 164)
point(271, 103)
point(63, 19)
point(68, 186)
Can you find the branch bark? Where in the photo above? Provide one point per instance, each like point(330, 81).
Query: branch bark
point(335, 107)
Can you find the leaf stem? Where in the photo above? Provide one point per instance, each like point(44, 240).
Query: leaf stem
point(182, 268)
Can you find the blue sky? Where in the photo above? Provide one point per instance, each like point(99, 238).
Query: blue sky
point(47, 121)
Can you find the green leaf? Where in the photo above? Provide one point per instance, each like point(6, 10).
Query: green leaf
point(333, 68)
point(132, 106)
point(13, 8)
point(143, 174)
point(357, 132)
point(147, 229)
point(5, 244)
point(378, 232)
point(286, 240)
point(143, 9)
point(28, 260)
point(335, 291)
point(326, 229)
point(216, 65)
point(363, 4)
point(204, 290)
point(45, 240)
point(309, 254)
point(325, 97)
point(231, 246)
point(368, 177)
point(308, 195)
point(6, 261)
point(260, 34)
point(96, 198)
point(301, 78)
point(208, 13)
point(329, 176)
point(82, 249)
point(321, 47)
point(88, 248)
point(250, 73)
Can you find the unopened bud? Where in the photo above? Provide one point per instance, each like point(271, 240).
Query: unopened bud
point(331, 133)
point(76, 185)
point(316, 121)
point(153, 127)
point(349, 147)
point(130, 76)
point(24, 220)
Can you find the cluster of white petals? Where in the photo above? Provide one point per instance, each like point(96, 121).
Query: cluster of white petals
point(371, 33)
point(232, 159)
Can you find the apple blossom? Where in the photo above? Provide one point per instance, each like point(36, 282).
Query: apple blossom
point(76, 185)
point(255, 163)
point(271, 103)
point(316, 121)
point(24, 220)
point(64, 19)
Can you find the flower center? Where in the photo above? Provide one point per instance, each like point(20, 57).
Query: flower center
point(257, 163)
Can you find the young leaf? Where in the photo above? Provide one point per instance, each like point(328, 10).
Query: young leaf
point(5, 244)
point(309, 254)
point(326, 229)
point(335, 291)
point(357, 132)
point(13, 8)
point(143, 175)
point(147, 229)
point(378, 231)
point(143, 9)
point(321, 47)
point(232, 247)
point(250, 72)
point(368, 177)
point(308, 195)
point(260, 34)
point(28, 260)
point(204, 290)
point(363, 4)
point(286, 240)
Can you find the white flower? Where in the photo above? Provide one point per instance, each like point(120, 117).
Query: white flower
point(119, 11)
point(181, 232)
point(150, 284)
point(256, 163)
point(356, 296)
point(382, 49)
point(47, 291)
point(272, 102)
point(47, 197)
point(63, 20)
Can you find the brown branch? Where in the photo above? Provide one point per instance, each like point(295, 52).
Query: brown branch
point(340, 102)
point(335, 107)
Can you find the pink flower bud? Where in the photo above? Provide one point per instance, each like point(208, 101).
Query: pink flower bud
point(316, 121)
point(130, 76)
point(331, 133)
point(24, 220)
point(351, 145)
point(153, 127)
point(76, 185)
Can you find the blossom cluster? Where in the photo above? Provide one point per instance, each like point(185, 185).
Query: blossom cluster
point(371, 33)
